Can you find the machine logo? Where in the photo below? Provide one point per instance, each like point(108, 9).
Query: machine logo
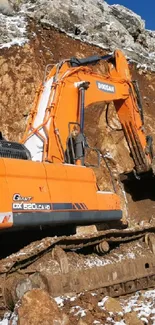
point(105, 87)
point(18, 197)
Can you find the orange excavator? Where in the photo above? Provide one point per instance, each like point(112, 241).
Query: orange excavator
point(45, 180)
point(49, 183)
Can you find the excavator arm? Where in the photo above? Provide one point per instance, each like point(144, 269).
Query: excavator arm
point(57, 118)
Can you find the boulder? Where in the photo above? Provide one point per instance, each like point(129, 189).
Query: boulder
point(132, 318)
point(113, 305)
point(38, 308)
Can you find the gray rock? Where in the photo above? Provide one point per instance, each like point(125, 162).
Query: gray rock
point(95, 22)
point(131, 21)
point(6, 8)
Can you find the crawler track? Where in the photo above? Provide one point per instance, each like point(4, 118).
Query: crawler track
point(64, 264)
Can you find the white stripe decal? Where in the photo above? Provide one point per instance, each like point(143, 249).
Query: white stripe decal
point(34, 144)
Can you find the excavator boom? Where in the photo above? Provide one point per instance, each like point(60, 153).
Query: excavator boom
point(68, 90)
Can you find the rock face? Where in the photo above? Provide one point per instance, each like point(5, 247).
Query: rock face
point(131, 21)
point(98, 23)
point(92, 21)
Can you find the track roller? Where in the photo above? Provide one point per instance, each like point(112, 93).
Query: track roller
point(102, 247)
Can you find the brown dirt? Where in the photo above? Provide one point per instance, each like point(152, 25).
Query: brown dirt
point(91, 308)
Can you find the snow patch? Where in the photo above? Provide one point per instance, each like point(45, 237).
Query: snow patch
point(59, 301)
point(93, 261)
point(108, 155)
point(102, 302)
point(143, 303)
point(4, 322)
point(78, 311)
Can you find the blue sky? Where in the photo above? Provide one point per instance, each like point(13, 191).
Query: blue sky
point(146, 9)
